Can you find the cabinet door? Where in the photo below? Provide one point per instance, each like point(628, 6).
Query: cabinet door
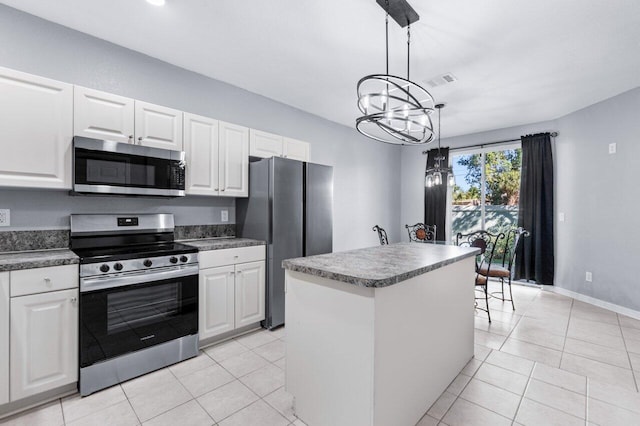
point(265, 144)
point(296, 150)
point(216, 301)
point(44, 342)
point(158, 126)
point(250, 291)
point(201, 148)
point(234, 160)
point(36, 122)
point(4, 337)
point(102, 115)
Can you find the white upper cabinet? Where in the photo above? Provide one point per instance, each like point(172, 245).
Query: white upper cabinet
point(158, 126)
point(4, 337)
point(234, 155)
point(36, 118)
point(295, 149)
point(201, 147)
point(101, 115)
point(265, 145)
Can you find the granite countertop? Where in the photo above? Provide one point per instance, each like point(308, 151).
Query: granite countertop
point(13, 261)
point(380, 266)
point(205, 244)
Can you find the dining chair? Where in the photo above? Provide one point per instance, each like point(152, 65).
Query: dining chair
point(421, 233)
point(382, 235)
point(506, 269)
point(487, 243)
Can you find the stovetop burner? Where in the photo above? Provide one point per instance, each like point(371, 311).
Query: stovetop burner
point(112, 254)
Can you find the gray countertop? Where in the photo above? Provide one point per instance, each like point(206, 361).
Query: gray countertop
point(204, 244)
point(14, 261)
point(380, 266)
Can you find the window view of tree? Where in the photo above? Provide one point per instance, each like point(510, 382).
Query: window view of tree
point(500, 184)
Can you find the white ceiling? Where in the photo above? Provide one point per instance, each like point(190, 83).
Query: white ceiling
point(517, 61)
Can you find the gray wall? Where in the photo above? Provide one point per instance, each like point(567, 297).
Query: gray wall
point(597, 192)
point(600, 197)
point(366, 172)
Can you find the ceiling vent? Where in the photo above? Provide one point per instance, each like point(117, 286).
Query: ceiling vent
point(442, 79)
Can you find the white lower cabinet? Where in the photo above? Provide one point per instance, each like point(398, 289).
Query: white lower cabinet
point(250, 293)
point(232, 290)
point(38, 331)
point(4, 337)
point(44, 342)
point(216, 301)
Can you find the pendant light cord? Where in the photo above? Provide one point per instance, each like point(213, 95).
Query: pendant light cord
point(386, 32)
point(408, 48)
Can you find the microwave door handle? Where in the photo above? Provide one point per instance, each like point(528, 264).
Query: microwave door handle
point(105, 282)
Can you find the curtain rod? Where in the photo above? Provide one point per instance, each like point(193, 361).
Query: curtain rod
point(482, 145)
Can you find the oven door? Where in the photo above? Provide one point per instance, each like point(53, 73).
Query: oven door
point(107, 167)
point(123, 314)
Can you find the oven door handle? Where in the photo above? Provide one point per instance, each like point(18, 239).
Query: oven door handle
point(101, 283)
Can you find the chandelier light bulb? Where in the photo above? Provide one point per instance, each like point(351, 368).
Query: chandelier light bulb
point(365, 103)
point(437, 178)
point(428, 181)
point(405, 111)
point(383, 99)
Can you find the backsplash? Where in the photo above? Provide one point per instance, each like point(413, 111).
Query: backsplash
point(191, 232)
point(34, 240)
point(59, 238)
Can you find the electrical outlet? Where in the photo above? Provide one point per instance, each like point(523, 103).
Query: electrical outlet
point(561, 217)
point(612, 148)
point(5, 217)
point(589, 277)
point(224, 215)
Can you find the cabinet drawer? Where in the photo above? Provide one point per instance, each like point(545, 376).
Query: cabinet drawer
point(215, 258)
point(42, 280)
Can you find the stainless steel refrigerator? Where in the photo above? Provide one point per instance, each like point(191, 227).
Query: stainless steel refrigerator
point(290, 206)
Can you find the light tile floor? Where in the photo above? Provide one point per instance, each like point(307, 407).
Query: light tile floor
point(554, 360)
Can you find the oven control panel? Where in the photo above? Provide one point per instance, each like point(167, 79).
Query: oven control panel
point(130, 265)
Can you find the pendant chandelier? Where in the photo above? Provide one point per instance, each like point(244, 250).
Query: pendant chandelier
point(436, 174)
point(395, 110)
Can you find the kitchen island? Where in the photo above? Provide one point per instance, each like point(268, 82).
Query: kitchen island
point(375, 335)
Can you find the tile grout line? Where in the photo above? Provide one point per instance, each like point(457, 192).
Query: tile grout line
point(624, 341)
point(586, 402)
point(566, 334)
point(535, 364)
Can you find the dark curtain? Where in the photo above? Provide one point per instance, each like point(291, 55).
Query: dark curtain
point(535, 259)
point(435, 198)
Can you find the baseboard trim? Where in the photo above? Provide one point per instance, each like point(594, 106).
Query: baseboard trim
point(596, 302)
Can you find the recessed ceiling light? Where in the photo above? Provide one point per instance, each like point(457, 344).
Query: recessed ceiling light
point(156, 2)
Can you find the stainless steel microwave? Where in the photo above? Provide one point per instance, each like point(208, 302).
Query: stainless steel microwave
point(107, 167)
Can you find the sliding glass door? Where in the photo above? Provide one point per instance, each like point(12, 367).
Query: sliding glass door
point(487, 189)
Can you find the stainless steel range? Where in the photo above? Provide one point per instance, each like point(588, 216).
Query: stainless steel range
point(138, 297)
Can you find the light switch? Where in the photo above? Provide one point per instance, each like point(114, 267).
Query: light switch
point(224, 215)
point(612, 148)
point(561, 217)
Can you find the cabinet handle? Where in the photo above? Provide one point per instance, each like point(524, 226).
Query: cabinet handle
point(74, 299)
point(285, 156)
point(130, 139)
point(238, 272)
point(140, 140)
point(216, 189)
point(222, 189)
point(47, 281)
